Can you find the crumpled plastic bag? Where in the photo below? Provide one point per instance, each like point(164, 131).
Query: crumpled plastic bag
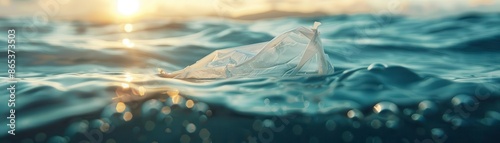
point(293, 53)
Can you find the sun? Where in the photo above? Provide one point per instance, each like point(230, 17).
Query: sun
point(127, 7)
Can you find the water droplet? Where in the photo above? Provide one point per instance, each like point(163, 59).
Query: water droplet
point(438, 133)
point(127, 116)
point(204, 133)
point(203, 118)
point(385, 108)
point(104, 127)
point(96, 123)
point(189, 103)
point(347, 136)
point(457, 122)
point(257, 125)
point(330, 125)
point(417, 117)
point(149, 126)
point(376, 66)
point(201, 107)
point(427, 107)
point(101, 124)
point(168, 130)
point(376, 124)
point(169, 119)
point(447, 117)
point(120, 107)
point(408, 111)
point(355, 114)
point(392, 124)
point(176, 99)
point(110, 112)
point(297, 129)
point(268, 123)
point(185, 139)
point(190, 128)
point(165, 110)
point(77, 127)
point(209, 113)
point(464, 100)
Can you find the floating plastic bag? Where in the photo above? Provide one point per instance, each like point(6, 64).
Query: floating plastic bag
point(293, 53)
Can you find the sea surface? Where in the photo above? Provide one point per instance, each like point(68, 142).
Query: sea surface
point(397, 79)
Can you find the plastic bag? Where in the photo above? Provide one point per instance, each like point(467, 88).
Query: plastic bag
point(293, 53)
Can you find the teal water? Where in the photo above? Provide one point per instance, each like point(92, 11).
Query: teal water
point(398, 79)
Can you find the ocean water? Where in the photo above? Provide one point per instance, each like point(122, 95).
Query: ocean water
point(398, 79)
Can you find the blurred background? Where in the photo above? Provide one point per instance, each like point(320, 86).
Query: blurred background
point(110, 10)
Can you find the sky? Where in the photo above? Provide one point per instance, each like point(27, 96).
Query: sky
point(102, 10)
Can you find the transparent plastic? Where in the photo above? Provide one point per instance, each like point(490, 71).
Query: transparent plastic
point(293, 53)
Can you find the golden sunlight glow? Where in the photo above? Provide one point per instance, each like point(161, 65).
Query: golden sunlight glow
point(127, 7)
point(176, 99)
point(480, 2)
point(173, 92)
point(127, 43)
point(174, 95)
point(142, 91)
point(128, 27)
point(120, 107)
point(4, 2)
point(125, 86)
point(190, 103)
point(128, 77)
